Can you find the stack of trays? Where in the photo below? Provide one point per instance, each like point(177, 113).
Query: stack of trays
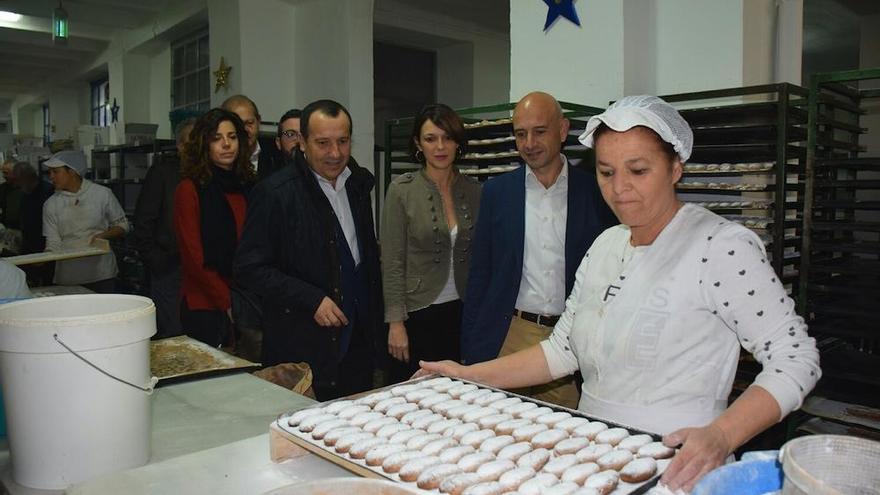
point(452, 436)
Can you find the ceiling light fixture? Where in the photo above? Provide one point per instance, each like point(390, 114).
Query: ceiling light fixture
point(60, 25)
point(9, 16)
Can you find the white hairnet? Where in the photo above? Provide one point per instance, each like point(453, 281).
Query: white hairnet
point(648, 111)
point(72, 159)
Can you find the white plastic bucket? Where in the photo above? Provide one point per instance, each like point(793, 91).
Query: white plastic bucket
point(830, 465)
point(68, 419)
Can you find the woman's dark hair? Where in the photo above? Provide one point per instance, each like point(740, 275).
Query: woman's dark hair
point(196, 160)
point(668, 149)
point(443, 117)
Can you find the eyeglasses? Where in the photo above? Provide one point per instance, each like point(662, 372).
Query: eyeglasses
point(290, 133)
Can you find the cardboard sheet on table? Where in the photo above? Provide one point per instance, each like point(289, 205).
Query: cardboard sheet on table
point(182, 356)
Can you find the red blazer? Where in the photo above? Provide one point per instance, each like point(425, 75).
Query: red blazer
point(202, 288)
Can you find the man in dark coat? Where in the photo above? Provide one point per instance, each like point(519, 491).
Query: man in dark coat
point(309, 251)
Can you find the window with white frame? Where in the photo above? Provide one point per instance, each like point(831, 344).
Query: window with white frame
point(190, 73)
point(101, 102)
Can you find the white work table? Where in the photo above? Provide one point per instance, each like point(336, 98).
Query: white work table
point(208, 436)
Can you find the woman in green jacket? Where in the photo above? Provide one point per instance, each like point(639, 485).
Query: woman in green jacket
point(426, 232)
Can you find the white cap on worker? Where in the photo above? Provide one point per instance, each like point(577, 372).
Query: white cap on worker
point(72, 159)
point(647, 111)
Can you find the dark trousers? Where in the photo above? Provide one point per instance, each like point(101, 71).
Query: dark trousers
point(165, 293)
point(210, 326)
point(434, 334)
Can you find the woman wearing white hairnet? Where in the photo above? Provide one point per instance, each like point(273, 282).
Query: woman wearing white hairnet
point(661, 305)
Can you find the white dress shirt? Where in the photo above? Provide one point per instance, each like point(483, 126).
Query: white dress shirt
point(542, 287)
point(449, 292)
point(255, 156)
point(338, 199)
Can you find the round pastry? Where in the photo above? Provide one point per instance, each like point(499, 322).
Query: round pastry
point(411, 416)
point(557, 465)
point(531, 414)
point(615, 459)
point(492, 420)
point(352, 411)
point(423, 422)
point(470, 462)
point(537, 485)
point(459, 411)
point(520, 407)
point(376, 424)
point(414, 468)
point(445, 406)
point(339, 405)
point(590, 430)
point(454, 454)
point(493, 470)
point(548, 439)
point(472, 416)
point(484, 488)
point(446, 386)
point(344, 443)
point(514, 451)
point(587, 491)
point(443, 425)
point(515, 477)
point(612, 436)
point(471, 396)
point(457, 483)
point(570, 424)
point(394, 462)
point(635, 442)
point(384, 405)
point(509, 426)
point(487, 399)
point(552, 418)
point(432, 400)
point(377, 455)
point(571, 445)
point(501, 404)
point(431, 382)
point(422, 393)
point(604, 482)
point(398, 410)
point(373, 399)
point(593, 452)
point(296, 418)
point(638, 470)
point(564, 488)
point(402, 390)
point(580, 472)
point(457, 392)
point(419, 442)
point(434, 447)
point(431, 478)
point(526, 433)
point(461, 430)
point(365, 417)
point(359, 450)
point(404, 436)
point(495, 444)
point(309, 423)
point(656, 450)
point(390, 429)
point(476, 438)
point(534, 459)
point(323, 428)
point(333, 435)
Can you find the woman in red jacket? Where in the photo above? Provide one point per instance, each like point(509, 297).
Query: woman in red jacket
point(209, 213)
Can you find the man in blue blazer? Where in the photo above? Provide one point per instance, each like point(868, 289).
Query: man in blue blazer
point(535, 225)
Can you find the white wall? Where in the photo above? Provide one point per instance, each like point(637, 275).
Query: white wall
point(224, 40)
point(455, 75)
point(160, 92)
point(63, 113)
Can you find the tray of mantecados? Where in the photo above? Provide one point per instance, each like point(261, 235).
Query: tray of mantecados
point(444, 435)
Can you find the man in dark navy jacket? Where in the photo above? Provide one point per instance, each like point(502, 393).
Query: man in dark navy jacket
point(535, 226)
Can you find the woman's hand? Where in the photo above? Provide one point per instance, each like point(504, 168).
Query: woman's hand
point(703, 449)
point(398, 341)
point(445, 368)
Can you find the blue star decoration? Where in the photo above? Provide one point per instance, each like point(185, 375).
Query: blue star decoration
point(114, 111)
point(564, 8)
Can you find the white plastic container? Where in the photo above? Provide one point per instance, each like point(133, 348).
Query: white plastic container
point(830, 465)
point(68, 420)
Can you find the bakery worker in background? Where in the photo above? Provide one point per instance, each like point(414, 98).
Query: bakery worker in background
point(78, 212)
point(265, 157)
point(535, 225)
point(13, 283)
point(662, 304)
point(309, 251)
point(289, 138)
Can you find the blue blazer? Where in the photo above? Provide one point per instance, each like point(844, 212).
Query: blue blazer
point(497, 257)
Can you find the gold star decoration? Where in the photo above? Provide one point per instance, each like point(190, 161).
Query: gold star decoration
point(221, 75)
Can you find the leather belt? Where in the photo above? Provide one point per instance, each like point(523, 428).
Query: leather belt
point(543, 320)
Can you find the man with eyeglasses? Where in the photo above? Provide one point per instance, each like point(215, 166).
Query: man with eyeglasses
point(265, 158)
point(288, 132)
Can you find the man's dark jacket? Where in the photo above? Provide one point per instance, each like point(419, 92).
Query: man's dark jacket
point(154, 215)
point(287, 255)
point(270, 158)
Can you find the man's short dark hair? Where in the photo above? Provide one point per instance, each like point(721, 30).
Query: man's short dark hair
point(294, 113)
point(181, 126)
point(329, 108)
point(23, 169)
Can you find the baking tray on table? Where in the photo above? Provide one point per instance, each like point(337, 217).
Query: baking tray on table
point(180, 358)
point(288, 442)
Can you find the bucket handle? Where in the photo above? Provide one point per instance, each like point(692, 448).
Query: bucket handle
point(151, 384)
